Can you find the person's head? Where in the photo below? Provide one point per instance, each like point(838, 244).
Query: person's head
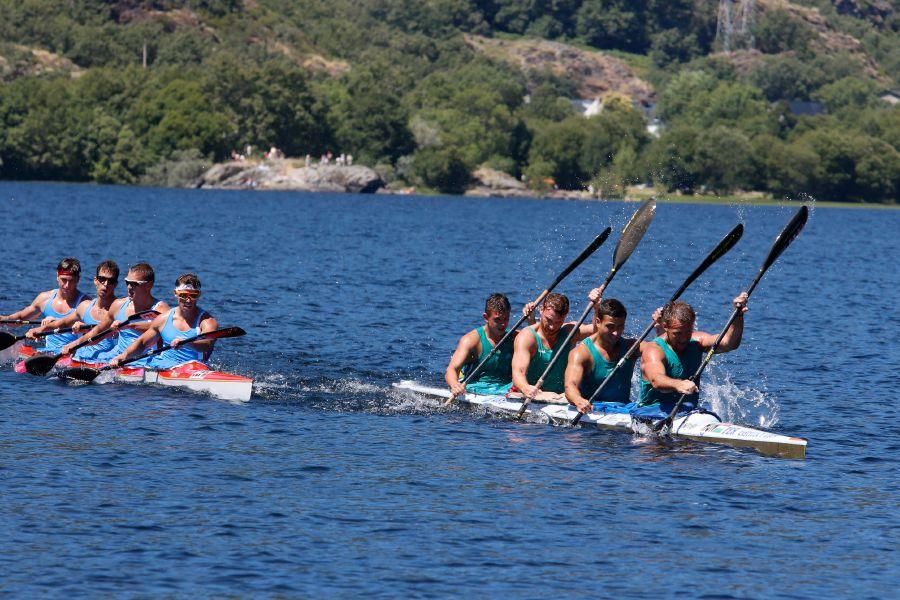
point(496, 313)
point(554, 312)
point(68, 272)
point(187, 290)
point(106, 278)
point(609, 318)
point(139, 279)
point(678, 324)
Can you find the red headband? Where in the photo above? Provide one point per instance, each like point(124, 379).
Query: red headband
point(66, 272)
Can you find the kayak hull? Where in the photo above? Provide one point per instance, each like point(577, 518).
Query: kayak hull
point(194, 376)
point(699, 426)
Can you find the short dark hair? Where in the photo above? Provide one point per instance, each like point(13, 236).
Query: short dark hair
point(497, 302)
point(188, 278)
point(108, 265)
point(70, 264)
point(557, 302)
point(145, 270)
point(678, 311)
point(610, 307)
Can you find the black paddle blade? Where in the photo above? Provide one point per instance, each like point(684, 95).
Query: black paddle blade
point(787, 235)
point(41, 364)
point(7, 339)
point(633, 232)
point(80, 373)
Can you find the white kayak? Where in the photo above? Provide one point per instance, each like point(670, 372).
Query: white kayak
point(699, 426)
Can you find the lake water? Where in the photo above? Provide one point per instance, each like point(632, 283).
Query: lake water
point(328, 484)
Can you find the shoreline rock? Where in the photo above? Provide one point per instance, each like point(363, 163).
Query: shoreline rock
point(291, 174)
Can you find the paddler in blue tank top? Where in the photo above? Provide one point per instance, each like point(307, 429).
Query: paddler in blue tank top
point(496, 376)
point(55, 304)
point(535, 347)
point(184, 321)
point(594, 358)
point(139, 285)
point(90, 312)
point(668, 362)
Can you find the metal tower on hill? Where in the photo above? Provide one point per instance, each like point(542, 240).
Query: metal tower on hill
point(734, 30)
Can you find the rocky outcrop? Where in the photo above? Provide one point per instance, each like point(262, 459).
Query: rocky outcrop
point(490, 182)
point(290, 174)
point(595, 73)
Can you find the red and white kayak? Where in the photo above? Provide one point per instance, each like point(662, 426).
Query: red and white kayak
point(193, 375)
point(24, 352)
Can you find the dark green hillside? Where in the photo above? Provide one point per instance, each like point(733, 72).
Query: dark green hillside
point(430, 90)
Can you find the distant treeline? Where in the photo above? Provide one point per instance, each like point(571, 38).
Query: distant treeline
point(393, 83)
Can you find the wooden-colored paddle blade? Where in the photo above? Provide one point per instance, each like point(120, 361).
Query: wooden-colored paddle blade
point(633, 232)
point(80, 374)
point(41, 364)
point(7, 339)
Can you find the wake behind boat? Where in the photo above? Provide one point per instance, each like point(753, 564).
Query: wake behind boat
point(697, 426)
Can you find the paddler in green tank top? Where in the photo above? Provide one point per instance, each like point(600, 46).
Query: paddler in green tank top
point(595, 357)
point(535, 349)
point(668, 362)
point(496, 376)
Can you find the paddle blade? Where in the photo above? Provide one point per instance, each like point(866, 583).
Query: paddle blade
point(41, 364)
point(80, 373)
point(225, 332)
point(787, 235)
point(718, 252)
point(7, 339)
point(633, 232)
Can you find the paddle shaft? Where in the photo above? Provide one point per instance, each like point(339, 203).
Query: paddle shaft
point(18, 322)
point(726, 244)
point(214, 334)
point(540, 382)
point(40, 364)
point(58, 330)
point(632, 234)
point(135, 317)
point(596, 243)
point(784, 239)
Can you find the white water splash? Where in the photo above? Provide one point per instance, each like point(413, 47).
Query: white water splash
point(742, 405)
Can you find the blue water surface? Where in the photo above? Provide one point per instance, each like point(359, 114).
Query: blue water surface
point(329, 484)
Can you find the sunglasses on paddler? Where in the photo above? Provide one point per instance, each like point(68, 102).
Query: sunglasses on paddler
point(107, 280)
point(184, 294)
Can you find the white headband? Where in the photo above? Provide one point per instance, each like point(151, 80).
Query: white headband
point(186, 287)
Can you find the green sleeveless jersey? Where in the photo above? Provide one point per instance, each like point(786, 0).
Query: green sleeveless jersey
point(677, 367)
point(619, 388)
point(542, 358)
point(496, 376)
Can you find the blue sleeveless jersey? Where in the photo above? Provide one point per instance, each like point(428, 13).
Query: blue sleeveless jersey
point(182, 354)
point(54, 343)
point(93, 352)
point(126, 336)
